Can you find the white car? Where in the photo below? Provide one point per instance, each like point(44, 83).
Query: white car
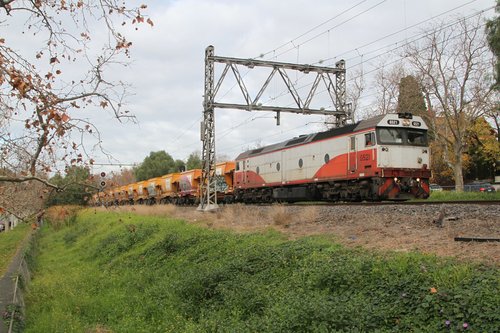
point(435, 187)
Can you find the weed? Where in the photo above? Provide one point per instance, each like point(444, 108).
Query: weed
point(61, 216)
point(280, 216)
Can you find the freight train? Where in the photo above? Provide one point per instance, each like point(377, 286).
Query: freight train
point(386, 157)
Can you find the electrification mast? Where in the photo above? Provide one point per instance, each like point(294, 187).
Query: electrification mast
point(336, 89)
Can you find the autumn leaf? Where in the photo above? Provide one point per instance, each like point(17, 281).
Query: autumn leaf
point(103, 104)
point(150, 22)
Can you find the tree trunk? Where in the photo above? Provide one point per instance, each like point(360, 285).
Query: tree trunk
point(457, 168)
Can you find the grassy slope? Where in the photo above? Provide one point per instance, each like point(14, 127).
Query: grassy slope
point(128, 273)
point(462, 196)
point(9, 243)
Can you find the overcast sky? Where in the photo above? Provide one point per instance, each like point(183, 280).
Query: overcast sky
point(167, 69)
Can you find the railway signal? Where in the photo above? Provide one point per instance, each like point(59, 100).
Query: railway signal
point(102, 183)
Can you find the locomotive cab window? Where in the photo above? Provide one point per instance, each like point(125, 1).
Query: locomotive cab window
point(390, 135)
point(417, 138)
point(369, 139)
point(237, 166)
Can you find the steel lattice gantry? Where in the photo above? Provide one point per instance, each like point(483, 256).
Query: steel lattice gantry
point(336, 88)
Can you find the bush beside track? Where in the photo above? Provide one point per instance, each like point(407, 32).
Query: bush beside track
point(121, 272)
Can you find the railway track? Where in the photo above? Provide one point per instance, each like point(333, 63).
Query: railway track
point(386, 203)
point(418, 203)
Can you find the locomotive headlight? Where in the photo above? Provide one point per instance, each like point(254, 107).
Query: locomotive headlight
point(396, 179)
point(418, 180)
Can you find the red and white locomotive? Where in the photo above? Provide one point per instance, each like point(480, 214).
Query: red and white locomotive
point(382, 158)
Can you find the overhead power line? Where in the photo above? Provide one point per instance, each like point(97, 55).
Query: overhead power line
point(334, 27)
point(310, 30)
point(401, 30)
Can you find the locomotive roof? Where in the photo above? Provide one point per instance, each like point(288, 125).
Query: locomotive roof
point(300, 140)
point(307, 138)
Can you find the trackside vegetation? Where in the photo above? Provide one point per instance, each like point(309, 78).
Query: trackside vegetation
point(462, 196)
point(121, 272)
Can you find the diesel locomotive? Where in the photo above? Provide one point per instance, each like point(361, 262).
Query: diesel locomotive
point(383, 158)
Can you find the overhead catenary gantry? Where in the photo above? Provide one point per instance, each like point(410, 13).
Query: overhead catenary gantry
point(332, 78)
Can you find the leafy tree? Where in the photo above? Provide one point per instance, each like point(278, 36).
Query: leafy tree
point(194, 161)
point(156, 164)
point(179, 166)
point(411, 99)
point(76, 185)
point(493, 31)
point(483, 150)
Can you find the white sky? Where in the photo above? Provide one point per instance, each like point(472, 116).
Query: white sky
point(167, 70)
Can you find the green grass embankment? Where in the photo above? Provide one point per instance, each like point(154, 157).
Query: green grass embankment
point(462, 196)
point(9, 244)
point(110, 272)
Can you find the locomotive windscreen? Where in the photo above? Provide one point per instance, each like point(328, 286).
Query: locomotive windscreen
point(401, 136)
